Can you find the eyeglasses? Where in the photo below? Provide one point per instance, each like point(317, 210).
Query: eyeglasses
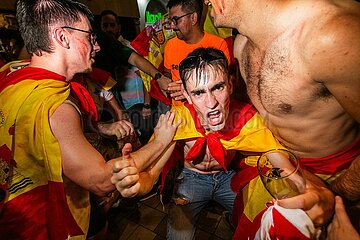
point(91, 34)
point(175, 19)
point(194, 61)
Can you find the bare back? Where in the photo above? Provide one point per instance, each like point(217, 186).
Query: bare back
point(302, 112)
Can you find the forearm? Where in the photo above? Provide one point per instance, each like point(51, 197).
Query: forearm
point(151, 174)
point(147, 97)
point(348, 184)
point(146, 155)
point(100, 184)
point(143, 64)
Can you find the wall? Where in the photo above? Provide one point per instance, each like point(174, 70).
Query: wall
point(7, 4)
point(125, 8)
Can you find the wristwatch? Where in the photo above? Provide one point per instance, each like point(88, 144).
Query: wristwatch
point(147, 106)
point(157, 76)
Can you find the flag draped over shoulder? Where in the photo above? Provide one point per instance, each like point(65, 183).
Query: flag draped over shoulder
point(150, 43)
point(35, 205)
point(244, 131)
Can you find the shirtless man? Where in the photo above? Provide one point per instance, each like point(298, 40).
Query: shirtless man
point(300, 62)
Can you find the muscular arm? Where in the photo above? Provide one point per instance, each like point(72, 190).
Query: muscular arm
point(333, 59)
point(81, 163)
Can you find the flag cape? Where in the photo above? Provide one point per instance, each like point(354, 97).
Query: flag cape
point(35, 205)
point(244, 131)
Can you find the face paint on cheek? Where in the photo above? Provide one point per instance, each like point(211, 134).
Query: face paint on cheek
point(83, 49)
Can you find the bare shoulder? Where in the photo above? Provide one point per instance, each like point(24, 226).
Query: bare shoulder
point(65, 120)
point(331, 47)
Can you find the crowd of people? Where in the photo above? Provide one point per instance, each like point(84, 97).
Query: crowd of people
point(59, 153)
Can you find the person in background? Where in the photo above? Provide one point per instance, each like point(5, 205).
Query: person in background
point(301, 69)
point(185, 16)
point(48, 167)
point(130, 91)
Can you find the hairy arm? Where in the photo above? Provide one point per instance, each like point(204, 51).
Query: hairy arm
point(348, 184)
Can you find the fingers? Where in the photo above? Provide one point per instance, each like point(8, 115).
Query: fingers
point(317, 202)
point(125, 176)
point(177, 95)
point(126, 150)
point(123, 129)
point(146, 113)
point(174, 86)
point(340, 212)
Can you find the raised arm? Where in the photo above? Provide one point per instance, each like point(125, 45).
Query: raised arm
point(144, 65)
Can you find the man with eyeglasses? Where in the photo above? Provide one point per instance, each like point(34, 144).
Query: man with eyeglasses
point(185, 17)
point(212, 130)
point(47, 167)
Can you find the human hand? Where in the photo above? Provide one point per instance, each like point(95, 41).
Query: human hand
point(177, 90)
point(165, 129)
point(341, 227)
point(125, 174)
point(317, 201)
point(163, 82)
point(146, 112)
point(120, 129)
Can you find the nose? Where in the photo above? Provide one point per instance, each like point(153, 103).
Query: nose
point(96, 47)
point(172, 25)
point(211, 101)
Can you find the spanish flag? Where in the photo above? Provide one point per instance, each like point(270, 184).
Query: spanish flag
point(35, 205)
point(244, 131)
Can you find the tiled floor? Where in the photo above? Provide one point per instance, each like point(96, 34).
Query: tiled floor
point(146, 220)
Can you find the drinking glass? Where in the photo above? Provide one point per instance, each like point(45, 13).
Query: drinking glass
point(281, 174)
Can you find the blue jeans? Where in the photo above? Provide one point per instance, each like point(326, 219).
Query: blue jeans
point(192, 191)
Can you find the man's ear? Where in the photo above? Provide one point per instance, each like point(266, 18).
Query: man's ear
point(59, 36)
point(194, 18)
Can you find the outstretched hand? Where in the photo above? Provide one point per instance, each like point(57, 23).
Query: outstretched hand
point(125, 174)
point(165, 128)
point(317, 201)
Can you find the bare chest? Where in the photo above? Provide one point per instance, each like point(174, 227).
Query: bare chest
point(277, 80)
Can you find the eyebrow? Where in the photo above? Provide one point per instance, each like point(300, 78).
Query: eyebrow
point(220, 84)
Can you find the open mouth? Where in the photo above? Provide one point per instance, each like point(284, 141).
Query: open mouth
point(215, 117)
